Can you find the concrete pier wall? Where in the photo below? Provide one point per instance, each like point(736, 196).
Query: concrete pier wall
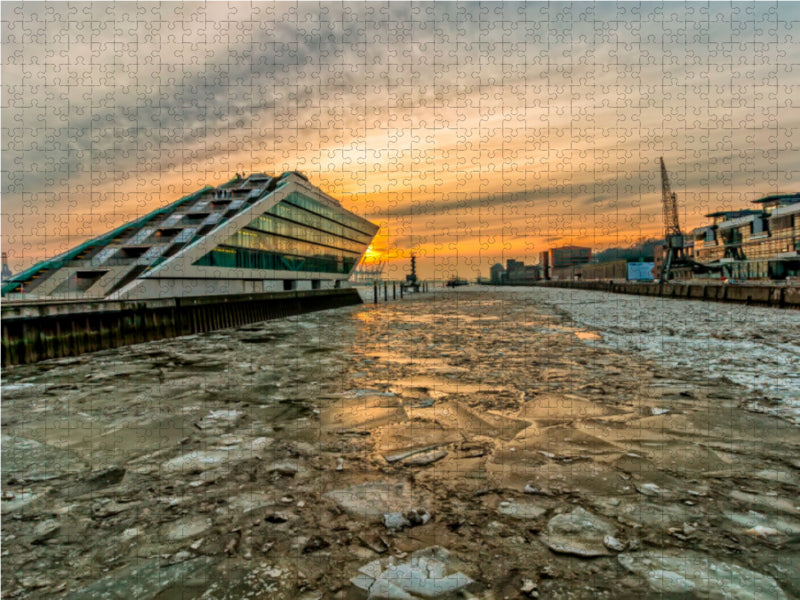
point(35, 331)
point(761, 295)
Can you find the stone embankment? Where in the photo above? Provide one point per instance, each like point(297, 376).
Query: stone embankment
point(779, 296)
point(34, 331)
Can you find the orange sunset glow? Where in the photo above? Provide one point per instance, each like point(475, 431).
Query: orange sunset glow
point(472, 133)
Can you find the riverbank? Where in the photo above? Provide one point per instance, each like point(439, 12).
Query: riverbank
point(777, 296)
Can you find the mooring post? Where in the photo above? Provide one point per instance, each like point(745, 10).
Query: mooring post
point(401, 291)
point(385, 291)
point(394, 290)
point(375, 292)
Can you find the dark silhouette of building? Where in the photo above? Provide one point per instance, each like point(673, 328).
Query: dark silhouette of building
point(568, 256)
point(7, 274)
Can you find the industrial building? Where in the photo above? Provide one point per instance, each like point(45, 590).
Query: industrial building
point(617, 270)
point(252, 234)
point(558, 263)
point(568, 256)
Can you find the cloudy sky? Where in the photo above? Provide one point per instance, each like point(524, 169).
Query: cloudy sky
point(472, 132)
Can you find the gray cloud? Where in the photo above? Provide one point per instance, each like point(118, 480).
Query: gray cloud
point(513, 104)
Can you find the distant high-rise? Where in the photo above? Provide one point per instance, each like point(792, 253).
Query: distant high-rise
point(497, 274)
point(253, 234)
point(6, 269)
point(568, 256)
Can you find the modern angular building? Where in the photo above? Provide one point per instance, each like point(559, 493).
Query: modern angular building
point(252, 234)
point(761, 243)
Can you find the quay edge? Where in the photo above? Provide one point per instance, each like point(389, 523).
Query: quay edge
point(760, 295)
point(39, 330)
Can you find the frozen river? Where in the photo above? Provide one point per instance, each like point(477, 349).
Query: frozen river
point(590, 445)
point(758, 348)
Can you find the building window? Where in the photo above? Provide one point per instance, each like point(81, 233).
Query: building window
point(245, 258)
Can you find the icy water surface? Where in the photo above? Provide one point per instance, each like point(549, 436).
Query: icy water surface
point(756, 347)
point(473, 444)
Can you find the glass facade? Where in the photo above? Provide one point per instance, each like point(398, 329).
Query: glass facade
point(355, 228)
point(747, 242)
point(267, 224)
point(297, 234)
point(244, 258)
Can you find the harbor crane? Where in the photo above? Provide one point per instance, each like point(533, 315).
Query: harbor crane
point(673, 236)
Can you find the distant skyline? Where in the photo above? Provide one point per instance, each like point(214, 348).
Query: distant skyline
point(471, 132)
